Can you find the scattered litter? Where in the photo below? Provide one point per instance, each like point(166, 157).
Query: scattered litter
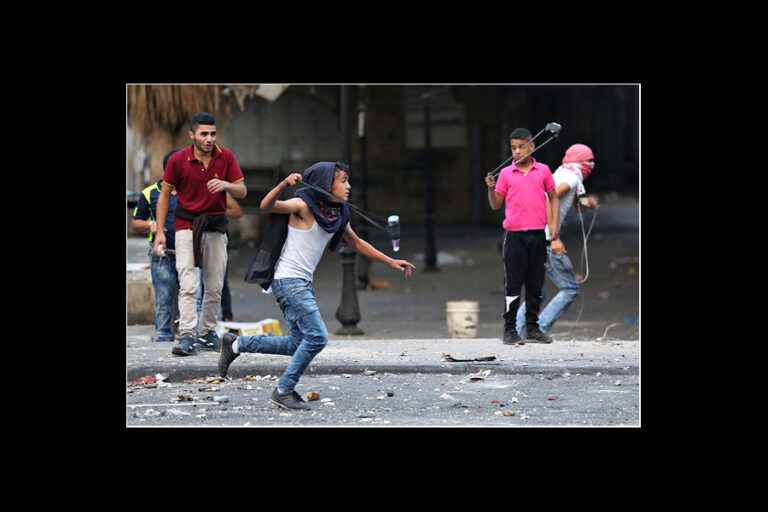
point(504, 413)
point(181, 398)
point(204, 380)
point(194, 404)
point(601, 338)
point(475, 377)
point(145, 381)
point(369, 372)
point(448, 358)
point(552, 398)
point(313, 395)
point(266, 327)
point(631, 320)
point(220, 398)
point(447, 258)
point(624, 260)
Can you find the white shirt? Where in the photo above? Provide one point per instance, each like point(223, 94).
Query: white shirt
point(563, 175)
point(302, 252)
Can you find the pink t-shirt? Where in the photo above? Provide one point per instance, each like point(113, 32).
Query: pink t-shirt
point(525, 206)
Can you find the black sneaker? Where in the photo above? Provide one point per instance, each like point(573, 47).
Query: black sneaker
point(209, 342)
point(538, 337)
point(511, 338)
point(185, 346)
point(226, 355)
point(289, 400)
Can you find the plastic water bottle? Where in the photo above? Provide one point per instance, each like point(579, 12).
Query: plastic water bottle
point(394, 229)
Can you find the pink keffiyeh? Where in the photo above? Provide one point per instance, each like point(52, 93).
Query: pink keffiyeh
point(575, 160)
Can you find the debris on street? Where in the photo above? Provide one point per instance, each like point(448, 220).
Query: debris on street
point(448, 358)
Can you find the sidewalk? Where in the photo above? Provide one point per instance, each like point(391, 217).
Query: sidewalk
point(405, 323)
point(354, 356)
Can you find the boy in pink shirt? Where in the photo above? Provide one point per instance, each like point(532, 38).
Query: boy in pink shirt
point(523, 188)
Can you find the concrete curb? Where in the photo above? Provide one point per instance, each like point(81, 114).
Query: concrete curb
point(354, 356)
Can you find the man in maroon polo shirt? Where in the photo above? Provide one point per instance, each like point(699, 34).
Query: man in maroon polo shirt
point(202, 174)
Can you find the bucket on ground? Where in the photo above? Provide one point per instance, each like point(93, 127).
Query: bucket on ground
point(462, 317)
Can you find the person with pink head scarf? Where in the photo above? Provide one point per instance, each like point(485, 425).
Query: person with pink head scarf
point(578, 163)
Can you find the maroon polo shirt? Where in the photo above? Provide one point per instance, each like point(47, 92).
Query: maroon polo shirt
point(189, 176)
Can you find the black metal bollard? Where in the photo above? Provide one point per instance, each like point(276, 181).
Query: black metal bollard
point(348, 312)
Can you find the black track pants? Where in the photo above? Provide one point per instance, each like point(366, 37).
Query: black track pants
point(524, 254)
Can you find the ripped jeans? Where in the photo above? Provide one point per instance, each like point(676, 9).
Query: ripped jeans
point(559, 269)
point(308, 335)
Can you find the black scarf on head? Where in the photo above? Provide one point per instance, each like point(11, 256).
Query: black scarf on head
point(332, 216)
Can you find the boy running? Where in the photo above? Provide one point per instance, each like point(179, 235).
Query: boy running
point(314, 220)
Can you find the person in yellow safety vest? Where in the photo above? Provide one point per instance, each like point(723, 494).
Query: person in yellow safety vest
point(163, 268)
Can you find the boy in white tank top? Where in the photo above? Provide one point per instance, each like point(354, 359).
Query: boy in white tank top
point(313, 222)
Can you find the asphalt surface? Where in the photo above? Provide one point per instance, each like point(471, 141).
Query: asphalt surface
point(405, 320)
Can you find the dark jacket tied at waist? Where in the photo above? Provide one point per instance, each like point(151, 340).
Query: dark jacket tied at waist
point(201, 222)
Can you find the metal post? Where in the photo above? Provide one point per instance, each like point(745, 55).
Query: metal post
point(430, 252)
point(348, 312)
point(363, 263)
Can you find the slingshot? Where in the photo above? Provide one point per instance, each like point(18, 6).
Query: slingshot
point(391, 225)
point(554, 128)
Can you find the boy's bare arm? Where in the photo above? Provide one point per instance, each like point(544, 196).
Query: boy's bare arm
point(554, 222)
point(270, 204)
point(494, 198)
point(360, 246)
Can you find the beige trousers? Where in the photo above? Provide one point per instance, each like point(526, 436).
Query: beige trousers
point(214, 266)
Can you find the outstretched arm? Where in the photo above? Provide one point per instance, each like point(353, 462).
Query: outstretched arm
point(362, 247)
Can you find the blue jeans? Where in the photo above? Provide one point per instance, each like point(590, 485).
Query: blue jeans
point(560, 270)
point(308, 335)
point(164, 280)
